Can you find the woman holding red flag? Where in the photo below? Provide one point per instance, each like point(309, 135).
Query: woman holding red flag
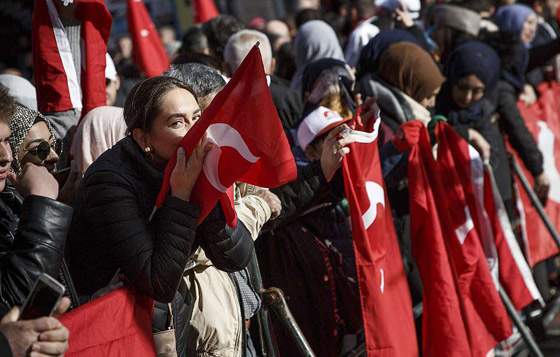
point(112, 230)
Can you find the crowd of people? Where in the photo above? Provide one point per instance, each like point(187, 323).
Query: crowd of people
point(78, 191)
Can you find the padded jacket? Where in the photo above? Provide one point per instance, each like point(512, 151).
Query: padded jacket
point(111, 231)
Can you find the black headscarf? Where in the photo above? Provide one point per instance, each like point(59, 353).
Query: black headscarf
point(369, 57)
point(469, 58)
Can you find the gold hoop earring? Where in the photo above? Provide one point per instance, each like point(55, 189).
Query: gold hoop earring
point(148, 151)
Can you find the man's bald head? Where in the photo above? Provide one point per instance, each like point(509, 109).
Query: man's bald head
point(239, 45)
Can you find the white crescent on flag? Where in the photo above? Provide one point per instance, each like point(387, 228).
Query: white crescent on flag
point(223, 135)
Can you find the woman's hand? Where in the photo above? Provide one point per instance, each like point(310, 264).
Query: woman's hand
point(529, 96)
point(480, 144)
point(272, 200)
point(542, 186)
point(334, 149)
point(72, 182)
point(402, 17)
point(186, 171)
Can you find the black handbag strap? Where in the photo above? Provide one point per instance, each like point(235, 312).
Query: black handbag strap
point(70, 285)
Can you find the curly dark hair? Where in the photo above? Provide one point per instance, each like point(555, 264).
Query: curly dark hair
point(7, 104)
point(219, 30)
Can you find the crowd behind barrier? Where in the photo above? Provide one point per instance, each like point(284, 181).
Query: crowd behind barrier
point(382, 175)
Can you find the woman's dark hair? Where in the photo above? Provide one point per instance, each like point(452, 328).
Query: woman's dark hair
point(7, 104)
point(504, 43)
point(143, 103)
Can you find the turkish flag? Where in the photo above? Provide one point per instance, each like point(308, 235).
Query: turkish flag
point(204, 10)
point(249, 143)
point(503, 254)
point(543, 121)
point(147, 49)
point(56, 79)
point(384, 292)
point(117, 324)
point(486, 318)
point(443, 328)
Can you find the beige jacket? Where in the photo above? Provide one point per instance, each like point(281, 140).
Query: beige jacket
point(216, 327)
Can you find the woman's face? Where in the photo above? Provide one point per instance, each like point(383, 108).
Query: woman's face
point(430, 101)
point(467, 91)
point(179, 112)
point(529, 29)
point(39, 132)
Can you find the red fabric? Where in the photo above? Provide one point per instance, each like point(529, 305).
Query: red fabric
point(443, 329)
point(241, 114)
point(481, 197)
point(411, 131)
point(51, 80)
point(147, 49)
point(204, 10)
point(486, 318)
point(118, 324)
point(543, 121)
point(385, 296)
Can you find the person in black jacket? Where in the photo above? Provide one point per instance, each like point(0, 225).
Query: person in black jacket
point(32, 240)
point(115, 226)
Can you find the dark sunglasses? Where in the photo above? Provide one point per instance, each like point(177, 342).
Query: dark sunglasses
point(43, 150)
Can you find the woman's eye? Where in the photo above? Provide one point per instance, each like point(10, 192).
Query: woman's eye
point(196, 117)
point(178, 123)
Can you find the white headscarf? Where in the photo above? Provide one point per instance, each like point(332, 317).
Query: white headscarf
point(314, 40)
point(100, 129)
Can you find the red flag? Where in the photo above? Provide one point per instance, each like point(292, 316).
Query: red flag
point(443, 329)
point(204, 10)
point(384, 292)
point(503, 254)
point(249, 143)
point(56, 79)
point(117, 324)
point(148, 50)
point(543, 121)
point(486, 318)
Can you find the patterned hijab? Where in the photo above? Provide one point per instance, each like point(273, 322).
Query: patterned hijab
point(20, 124)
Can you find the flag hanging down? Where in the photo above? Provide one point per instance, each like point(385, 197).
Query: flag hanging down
point(503, 254)
point(444, 331)
point(204, 10)
point(117, 324)
point(56, 77)
point(147, 49)
point(249, 143)
point(485, 316)
point(384, 292)
point(543, 121)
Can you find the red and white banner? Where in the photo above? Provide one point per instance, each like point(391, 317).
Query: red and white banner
point(249, 143)
point(56, 79)
point(384, 292)
point(503, 254)
point(543, 121)
point(117, 324)
point(147, 49)
point(444, 331)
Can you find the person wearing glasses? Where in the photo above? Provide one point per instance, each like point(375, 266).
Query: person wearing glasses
point(32, 237)
point(33, 141)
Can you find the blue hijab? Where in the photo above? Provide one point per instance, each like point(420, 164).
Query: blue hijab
point(371, 52)
point(511, 18)
point(472, 57)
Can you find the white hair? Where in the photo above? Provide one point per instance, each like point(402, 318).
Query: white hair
point(239, 45)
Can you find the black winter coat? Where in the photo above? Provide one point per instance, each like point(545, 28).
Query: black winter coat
point(32, 237)
point(512, 123)
point(111, 232)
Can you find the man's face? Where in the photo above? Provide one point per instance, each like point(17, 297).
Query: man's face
point(5, 153)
